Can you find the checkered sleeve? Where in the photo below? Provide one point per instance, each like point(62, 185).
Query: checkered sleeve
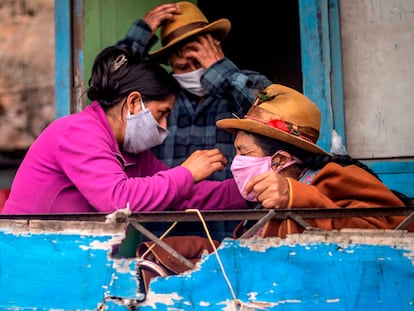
point(138, 38)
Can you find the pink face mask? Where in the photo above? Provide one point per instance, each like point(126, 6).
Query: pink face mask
point(244, 168)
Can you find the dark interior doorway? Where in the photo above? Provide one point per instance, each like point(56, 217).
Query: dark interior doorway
point(264, 37)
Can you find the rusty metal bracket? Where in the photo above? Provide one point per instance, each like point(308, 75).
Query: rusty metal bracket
point(405, 222)
point(260, 223)
point(300, 221)
point(161, 244)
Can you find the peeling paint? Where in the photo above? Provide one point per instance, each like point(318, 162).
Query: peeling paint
point(313, 271)
point(153, 299)
point(332, 300)
point(204, 304)
point(103, 245)
point(125, 266)
point(338, 263)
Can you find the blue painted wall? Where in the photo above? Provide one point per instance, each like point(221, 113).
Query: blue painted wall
point(61, 271)
point(313, 276)
point(74, 271)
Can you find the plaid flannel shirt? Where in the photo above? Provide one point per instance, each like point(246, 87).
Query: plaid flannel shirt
point(192, 122)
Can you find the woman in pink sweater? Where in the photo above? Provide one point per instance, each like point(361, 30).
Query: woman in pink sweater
point(99, 159)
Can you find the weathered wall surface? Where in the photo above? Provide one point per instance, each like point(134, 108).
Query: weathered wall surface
point(67, 265)
point(378, 70)
point(26, 71)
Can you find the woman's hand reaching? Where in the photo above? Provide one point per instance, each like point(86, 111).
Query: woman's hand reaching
point(203, 163)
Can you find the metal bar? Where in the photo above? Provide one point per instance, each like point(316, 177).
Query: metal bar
point(300, 221)
point(252, 231)
point(405, 222)
point(171, 216)
point(161, 244)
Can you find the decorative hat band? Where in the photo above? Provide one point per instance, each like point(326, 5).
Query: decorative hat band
point(181, 31)
point(268, 118)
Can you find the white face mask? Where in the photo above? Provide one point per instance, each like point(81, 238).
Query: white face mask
point(142, 131)
point(190, 81)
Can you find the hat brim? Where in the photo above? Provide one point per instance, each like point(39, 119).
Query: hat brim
point(233, 125)
point(220, 28)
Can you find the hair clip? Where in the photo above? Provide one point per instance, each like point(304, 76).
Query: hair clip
point(118, 62)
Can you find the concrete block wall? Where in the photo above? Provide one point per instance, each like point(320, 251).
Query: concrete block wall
point(26, 78)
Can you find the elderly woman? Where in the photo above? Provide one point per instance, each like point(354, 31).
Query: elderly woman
point(279, 165)
point(99, 159)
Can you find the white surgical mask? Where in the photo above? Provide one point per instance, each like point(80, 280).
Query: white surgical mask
point(142, 131)
point(190, 81)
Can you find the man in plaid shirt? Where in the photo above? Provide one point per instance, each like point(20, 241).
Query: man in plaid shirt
point(213, 88)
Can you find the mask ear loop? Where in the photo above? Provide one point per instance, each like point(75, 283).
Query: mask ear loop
point(142, 104)
point(274, 163)
point(287, 164)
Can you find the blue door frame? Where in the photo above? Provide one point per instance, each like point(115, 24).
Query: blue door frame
point(321, 70)
point(322, 82)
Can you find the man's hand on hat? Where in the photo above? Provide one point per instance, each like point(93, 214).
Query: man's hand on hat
point(205, 49)
point(160, 14)
point(271, 189)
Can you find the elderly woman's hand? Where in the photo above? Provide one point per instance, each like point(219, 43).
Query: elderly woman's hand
point(203, 163)
point(271, 189)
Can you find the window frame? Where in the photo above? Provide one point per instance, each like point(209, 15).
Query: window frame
point(321, 70)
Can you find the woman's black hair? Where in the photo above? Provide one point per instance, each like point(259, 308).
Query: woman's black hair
point(116, 72)
point(310, 160)
point(317, 161)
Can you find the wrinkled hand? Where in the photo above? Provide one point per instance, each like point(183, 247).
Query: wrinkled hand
point(202, 163)
point(206, 50)
point(160, 14)
point(271, 189)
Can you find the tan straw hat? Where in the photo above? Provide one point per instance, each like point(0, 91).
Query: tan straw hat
point(190, 22)
point(281, 113)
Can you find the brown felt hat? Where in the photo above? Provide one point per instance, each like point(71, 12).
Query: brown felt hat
point(284, 114)
point(191, 21)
